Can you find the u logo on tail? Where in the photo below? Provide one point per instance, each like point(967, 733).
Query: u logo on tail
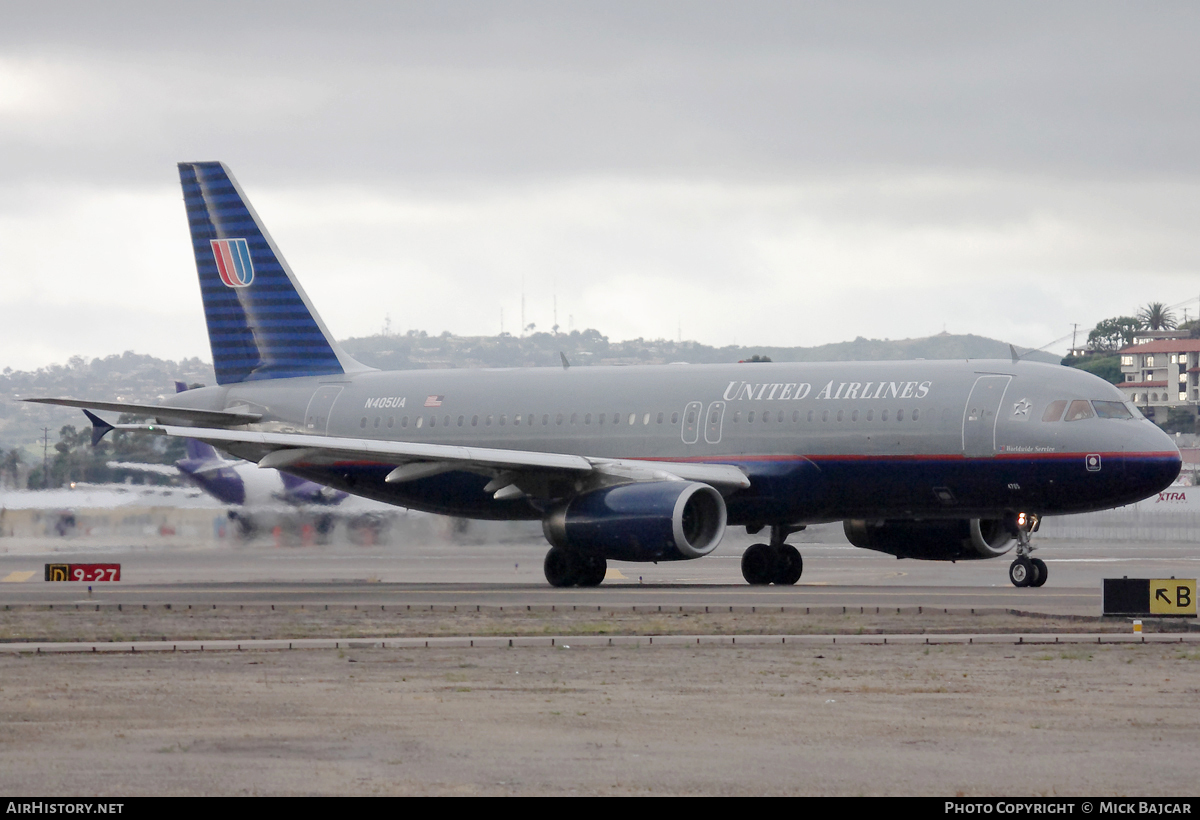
point(233, 262)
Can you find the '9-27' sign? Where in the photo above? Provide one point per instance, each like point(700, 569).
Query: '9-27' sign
point(83, 572)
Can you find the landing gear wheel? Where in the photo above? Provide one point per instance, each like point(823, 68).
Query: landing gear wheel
point(592, 571)
point(563, 568)
point(788, 565)
point(758, 565)
point(1021, 572)
point(1042, 571)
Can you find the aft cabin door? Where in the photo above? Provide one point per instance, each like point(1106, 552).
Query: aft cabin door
point(981, 414)
point(714, 419)
point(316, 418)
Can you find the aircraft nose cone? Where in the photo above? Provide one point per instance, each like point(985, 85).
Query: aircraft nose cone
point(1152, 461)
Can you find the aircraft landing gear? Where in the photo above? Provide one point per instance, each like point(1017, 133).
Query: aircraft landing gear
point(568, 568)
point(775, 563)
point(1026, 571)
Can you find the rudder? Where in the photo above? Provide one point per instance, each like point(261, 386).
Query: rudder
point(261, 324)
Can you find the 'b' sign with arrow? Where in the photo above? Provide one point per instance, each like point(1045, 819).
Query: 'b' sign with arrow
point(1163, 597)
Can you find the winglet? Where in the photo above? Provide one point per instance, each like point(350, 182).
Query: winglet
point(563, 356)
point(1013, 351)
point(100, 427)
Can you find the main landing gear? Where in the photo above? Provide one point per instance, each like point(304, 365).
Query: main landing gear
point(1026, 571)
point(774, 563)
point(568, 568)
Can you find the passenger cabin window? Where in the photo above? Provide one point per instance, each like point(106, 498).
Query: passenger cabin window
point(1054, 410)
point(1079, 409)
point(674, 418)
point(1112, 410)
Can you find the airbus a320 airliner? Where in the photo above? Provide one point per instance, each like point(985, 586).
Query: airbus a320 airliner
point(937, 460)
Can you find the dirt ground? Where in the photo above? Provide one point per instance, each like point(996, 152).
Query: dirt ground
point(893, 720)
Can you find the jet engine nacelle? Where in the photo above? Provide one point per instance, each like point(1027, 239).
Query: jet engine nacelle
point(951, 540)
point(641, 521)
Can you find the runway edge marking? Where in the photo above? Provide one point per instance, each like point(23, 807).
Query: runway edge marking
point(566, 642)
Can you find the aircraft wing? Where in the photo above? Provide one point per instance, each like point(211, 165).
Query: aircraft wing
point(156, 411)
point(416, 460)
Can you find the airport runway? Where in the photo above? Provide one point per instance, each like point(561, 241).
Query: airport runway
point(441, 703)
point(509, 574)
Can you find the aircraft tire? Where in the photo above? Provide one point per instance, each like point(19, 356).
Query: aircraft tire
point(593, 570)
point(1021, 572)
point(1042, 572)
point(789, 566)
point(562, 567)
point(758, 564)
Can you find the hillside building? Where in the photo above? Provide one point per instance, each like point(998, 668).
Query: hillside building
point(1162, 370)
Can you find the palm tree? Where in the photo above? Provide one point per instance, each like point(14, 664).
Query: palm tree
point(1155, 316)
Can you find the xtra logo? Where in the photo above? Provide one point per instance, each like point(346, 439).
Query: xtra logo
point(233, 262)
point(1170, 496)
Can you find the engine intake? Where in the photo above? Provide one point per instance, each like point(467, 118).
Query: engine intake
point(641, 521)
point(951, 540)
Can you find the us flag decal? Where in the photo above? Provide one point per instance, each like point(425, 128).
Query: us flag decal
point(434, 401)
point(233, 262)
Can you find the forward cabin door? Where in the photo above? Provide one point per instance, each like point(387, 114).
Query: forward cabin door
point(981, 414)
point(692, 422)
point(316, 418)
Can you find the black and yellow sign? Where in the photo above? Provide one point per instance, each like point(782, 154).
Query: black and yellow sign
point(1173, 596)
point(1159, 597)
point(83, 572)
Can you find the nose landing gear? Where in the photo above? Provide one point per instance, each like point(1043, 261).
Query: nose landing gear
point(776, 563)
point(1026, 571)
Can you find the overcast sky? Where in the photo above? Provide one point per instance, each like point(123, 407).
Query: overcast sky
point(756, 173)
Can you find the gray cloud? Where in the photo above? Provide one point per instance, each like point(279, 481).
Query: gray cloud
point(447, 93)
point(783, 173)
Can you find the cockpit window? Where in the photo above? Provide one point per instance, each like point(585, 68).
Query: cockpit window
point(1079, 409)
point(1112, 410)
point(1055, 410)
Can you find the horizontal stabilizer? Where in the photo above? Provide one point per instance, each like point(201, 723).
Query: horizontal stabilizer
point(162, 414)
point(157, 469)
point(100, 427)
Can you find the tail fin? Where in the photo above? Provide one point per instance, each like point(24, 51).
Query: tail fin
point(261, 324)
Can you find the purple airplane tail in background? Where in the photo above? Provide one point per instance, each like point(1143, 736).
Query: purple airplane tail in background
point(227, 480)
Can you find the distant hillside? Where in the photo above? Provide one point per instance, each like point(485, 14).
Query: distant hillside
point(141, 378)
point(416, 350)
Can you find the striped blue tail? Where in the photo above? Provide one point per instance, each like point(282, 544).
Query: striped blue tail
point(261, 324)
